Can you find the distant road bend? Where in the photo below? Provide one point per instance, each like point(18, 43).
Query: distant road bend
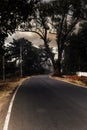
point(45, 104)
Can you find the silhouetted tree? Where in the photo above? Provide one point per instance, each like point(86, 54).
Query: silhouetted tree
point(67, 14)
point(12, 13)
point(39, 24)
point(32, 57)
point(78, 48)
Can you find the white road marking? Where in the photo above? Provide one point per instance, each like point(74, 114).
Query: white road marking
point(7, 119)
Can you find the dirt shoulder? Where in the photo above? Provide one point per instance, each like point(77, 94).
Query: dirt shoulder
point(6, 91)
point(76, 80)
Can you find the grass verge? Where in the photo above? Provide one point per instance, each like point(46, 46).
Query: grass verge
point(74, 79)
point(6, 90)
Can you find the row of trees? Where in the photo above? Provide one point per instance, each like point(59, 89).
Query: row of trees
point(22, 58)
point(39, 17)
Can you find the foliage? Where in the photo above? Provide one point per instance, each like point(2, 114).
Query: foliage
point(32, 57)
point(76, 53)
point(39, 24)
point(32, 15)
point(12, 13)
point(66, 15)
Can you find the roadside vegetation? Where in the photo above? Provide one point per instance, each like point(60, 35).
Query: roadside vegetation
point(80, 81)
point(64, 18)
point(8, 87)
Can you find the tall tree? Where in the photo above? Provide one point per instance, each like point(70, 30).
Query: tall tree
point(12, 13)
point(39, 24)
point(67, 14)
point(78, 44)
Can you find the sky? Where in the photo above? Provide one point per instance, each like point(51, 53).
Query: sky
point(47, 0)
point(35, 39)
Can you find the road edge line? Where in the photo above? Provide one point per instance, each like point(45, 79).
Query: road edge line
point(7, 119)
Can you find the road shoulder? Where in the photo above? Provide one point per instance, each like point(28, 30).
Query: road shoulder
point(70, 81)
point(6, 93)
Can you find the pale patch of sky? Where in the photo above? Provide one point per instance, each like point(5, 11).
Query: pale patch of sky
point(47, 0)
point(78, 26)
point(18, 35)
point(34, 38)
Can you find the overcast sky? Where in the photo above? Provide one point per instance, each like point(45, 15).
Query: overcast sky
point(35, 39)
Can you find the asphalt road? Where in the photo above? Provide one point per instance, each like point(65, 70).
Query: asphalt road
point(45, 104)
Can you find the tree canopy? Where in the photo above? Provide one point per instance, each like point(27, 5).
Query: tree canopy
point(33, 59)
point(41, 17)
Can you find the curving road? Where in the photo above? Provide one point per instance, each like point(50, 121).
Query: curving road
point(45, 104)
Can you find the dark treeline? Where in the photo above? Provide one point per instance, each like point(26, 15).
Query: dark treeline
point(21, 58)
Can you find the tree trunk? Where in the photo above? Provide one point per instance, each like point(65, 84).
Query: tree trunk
point(48, 49)
point(57, 69)
point(3, 68)
point(50, 54)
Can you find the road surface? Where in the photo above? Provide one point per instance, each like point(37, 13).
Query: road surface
point(45, 104)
